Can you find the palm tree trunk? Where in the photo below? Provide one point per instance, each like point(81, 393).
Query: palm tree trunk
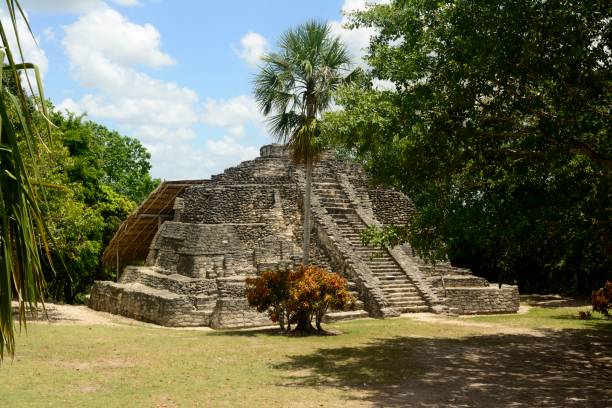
point(307, 223)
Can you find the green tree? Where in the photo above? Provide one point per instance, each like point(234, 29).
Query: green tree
point(102, 173)
point(294, 87)
point(498, 128)
point(85, 211)
point(103, 156)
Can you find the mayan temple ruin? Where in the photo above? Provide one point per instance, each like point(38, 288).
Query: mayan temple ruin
point(198, 240)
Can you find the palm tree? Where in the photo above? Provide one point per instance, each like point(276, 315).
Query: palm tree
point(294, 87)
point(22, 230)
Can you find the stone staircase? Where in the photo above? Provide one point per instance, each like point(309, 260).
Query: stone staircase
point(399, 291)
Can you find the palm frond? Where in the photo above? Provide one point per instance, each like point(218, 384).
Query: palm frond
point(301, 78)
point(22, 230)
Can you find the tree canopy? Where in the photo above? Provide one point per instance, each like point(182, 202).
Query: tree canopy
point(497, 124)
point(103, 176)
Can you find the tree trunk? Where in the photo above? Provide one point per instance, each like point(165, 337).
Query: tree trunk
point(307, 226)
point(281, 318)
point(304, 323)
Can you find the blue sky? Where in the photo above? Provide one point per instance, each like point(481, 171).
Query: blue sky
point(174, 74)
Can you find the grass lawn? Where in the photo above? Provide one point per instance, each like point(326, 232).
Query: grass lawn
point(476, 361)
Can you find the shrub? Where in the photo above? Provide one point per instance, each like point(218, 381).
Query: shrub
point(298, 296)
point(602, 299)
point(269, 292)
point(313, 292)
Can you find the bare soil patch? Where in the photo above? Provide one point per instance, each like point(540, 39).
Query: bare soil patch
point(465, 322)
point(56, 313)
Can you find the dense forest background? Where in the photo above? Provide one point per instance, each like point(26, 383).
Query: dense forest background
point(90, 179)
point(495, 119)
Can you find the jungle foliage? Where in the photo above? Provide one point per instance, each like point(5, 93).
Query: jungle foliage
point(495, 120)
point(102, 176)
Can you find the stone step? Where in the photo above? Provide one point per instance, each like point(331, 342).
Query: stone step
point(378, 258)
point(460, 281)
point(405, 302)
point(388, 278)
point(321, 192)
point(391, 279)
point(384, 279)
point(174, 283)
point(399, 286)
point(326, 196)
point(337, 197)
point(382, 263)
point(332, 317)
point(335, 203)
point(412, 309)
point(391, 269)
point(374, 251)
point(393, 291)
point(388, 272)
point(403, 297)
point(385, 282)
point(382, 266)
point(338, 210)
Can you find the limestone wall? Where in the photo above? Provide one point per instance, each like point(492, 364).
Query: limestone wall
point(216, 250)
point(141, 302)
point(389, 206)
point(232, 309)
point(474, 300)
point(227, 204)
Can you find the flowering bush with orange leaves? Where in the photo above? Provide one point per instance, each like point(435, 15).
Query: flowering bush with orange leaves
point(298, 296)
point(602, 299)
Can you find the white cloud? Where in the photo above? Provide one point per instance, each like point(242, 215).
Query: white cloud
point(252, 47)
point(157, 133)
point(71, 6)
point(127, 3)
point(69, 105)
point(31, 51)
point(383, 85)
point(358, 39)
point(198, 162)
point(233, 114)
point(115, 38)
point(49, 34)
point(105, 52)
point(103, 49)
point(229, 147)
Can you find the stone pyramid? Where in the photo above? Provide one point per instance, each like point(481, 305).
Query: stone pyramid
point(248, 219)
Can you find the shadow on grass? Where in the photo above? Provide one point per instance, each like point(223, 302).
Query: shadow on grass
point(272, 331)
point(562, 368)
point(599, 322)
point(267, 331)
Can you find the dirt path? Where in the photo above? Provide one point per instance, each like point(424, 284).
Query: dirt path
point(82, 315)
point(55, 313)
point(465, 322)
